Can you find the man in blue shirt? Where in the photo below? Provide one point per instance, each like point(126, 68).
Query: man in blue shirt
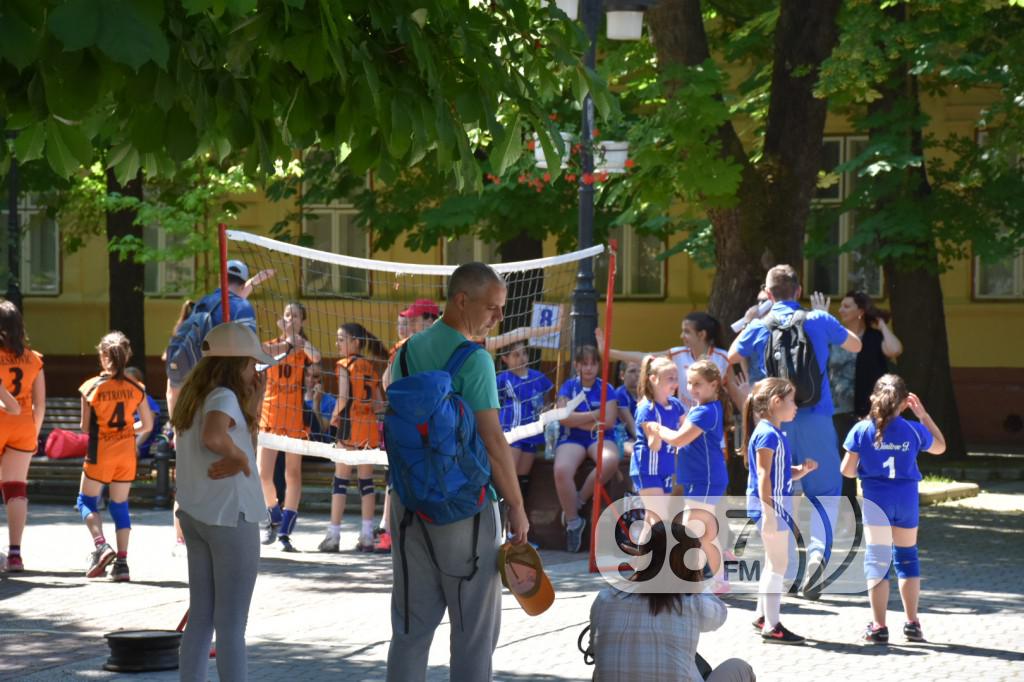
point(812, 433)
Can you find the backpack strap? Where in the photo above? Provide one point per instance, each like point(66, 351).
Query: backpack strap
point(403, 531)
point(402, 361)
point(770, 321)
point(433, 558)
point(460, 355)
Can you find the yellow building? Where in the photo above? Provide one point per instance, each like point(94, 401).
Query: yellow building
point(66, 295)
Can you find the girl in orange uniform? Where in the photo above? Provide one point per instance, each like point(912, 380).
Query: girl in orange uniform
point(282, 415)
point(355, 417)
point(21, 377)
point(109, 402)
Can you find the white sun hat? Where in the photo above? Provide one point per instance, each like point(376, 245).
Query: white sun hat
point(235, 340)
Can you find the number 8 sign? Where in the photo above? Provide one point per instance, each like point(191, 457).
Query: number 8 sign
point(545, 315)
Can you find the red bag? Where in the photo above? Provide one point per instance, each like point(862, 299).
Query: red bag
point(61, 444)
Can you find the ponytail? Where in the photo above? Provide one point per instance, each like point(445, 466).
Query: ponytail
point(759, 402)
point(650, 368)
point(368, 343)
point(889, 393)
point(116, 348)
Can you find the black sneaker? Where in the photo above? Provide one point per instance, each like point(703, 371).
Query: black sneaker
point(780, 635)
point(912, 631)
point(269, 532)
point(758, 623)
point(286, 544)
point(99, 559)
point(876, 634)
point(119, 573)
point(574, 534)
point(815, 573)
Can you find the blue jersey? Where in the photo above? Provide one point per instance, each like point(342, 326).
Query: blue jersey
point(521, 398)
point(241, 309)
point(767, 437)
point(701, 462)
point(896, 457)
point(823, 331)
point(662, 462)
point(626, 399)
point(591, 401)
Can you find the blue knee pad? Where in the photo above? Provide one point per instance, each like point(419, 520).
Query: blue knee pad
point(340, 486)
point(87, 504)
point(876, 562)
point(365, 486)
point(907, 563)
point(119, 513)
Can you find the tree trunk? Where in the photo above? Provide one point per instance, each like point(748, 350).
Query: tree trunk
point(127, 277)
point(766, 226)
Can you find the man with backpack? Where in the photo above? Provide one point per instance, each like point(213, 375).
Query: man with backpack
point(445, 449)
point(792, 343)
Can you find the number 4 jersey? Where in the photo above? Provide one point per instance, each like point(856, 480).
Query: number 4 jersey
point(17, 374)
point(895, 458)
point(111, 426)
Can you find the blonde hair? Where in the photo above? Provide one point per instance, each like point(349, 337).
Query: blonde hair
point(208, 374)
point(116, 348)
point(889, 393)
point(650, 368)
point(758, 405)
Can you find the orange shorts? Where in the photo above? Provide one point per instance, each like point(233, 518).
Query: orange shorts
point(284, 423)
point(360, 431)
point(112, 468)
point(18, 433)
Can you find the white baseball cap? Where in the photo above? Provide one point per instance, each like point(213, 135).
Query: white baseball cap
point(235, 340)
point(237, 268)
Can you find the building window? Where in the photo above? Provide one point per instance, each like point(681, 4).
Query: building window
point(167, 277)
point(836, 274)
point(332, 228)
point(639, 273)
point(467, 248)
point(40, 248)
point(1001, 277)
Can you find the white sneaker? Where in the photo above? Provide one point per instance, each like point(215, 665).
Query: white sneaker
point(330, 543)
point(3, 562)
point(365, 543)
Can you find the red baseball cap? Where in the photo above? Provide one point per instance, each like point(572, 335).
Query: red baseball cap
point(421, 307)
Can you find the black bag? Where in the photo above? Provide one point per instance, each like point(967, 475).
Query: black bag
point(790, 355)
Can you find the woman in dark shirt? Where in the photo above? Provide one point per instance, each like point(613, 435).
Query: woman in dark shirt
point(858, 314)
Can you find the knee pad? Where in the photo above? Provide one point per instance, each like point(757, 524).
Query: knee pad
point(876, 562)
point(119, 513)
point(87, 504)
point(907, 563)
point(12, 490)
point(340, 486)
point(366, 486)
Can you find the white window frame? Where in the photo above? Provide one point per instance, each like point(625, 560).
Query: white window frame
point(336, 210)
point(623, 270)
point(846, 221)
point(981, 138)
point(27, 209)
point(163, 289)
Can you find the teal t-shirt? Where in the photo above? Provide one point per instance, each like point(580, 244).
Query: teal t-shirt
point(431, 348)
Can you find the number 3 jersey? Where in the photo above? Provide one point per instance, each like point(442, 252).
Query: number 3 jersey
point(111, 425)
point(17, 374)
point(895, 458)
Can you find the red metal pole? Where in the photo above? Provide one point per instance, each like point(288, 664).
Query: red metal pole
point(222, 233)
point(600, 496)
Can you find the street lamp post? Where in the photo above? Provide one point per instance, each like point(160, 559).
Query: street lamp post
point(13, 235)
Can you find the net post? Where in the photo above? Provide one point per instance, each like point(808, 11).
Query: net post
point(222, 236)
point(598, 504)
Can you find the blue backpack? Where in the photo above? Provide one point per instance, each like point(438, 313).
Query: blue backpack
point(186, 346)
point(439, 465)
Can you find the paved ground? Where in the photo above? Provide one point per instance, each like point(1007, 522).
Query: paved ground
point(326, 616)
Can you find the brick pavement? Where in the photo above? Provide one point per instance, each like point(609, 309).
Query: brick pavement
point(326, 616)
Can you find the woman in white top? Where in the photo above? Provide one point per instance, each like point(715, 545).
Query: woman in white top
point(220, 502)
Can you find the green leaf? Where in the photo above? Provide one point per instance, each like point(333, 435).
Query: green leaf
point(19, 42)
point(180, 135)
point(28, 145)
point(147, 128)
point(67, 149)
point(508, 148)
point(76, 23)
point(419, 16)
point(242, 7)
point(128, 36)
point(401, 132)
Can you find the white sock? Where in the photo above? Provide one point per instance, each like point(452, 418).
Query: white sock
point(368, 527)
point(334, 530)
point(575, 523)
point(771, 591)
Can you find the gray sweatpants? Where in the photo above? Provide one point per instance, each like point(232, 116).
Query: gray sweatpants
point(222, 566)
point(474, 624)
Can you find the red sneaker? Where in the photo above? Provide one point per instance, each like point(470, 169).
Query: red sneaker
point(383, 543)
point(15, 564)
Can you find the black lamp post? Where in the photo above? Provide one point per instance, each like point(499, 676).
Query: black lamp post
point(13, 235)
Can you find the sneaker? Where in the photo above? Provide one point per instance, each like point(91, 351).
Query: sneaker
point(758, 623)
point(876, 634)
point(119, 573)
point(383, 543)
point(815, 572)
point(911, 630)
point(574, 535)
point(15, 565)
point(269, 532)
point(330, 543)
point(3, 561)
point(365, 543)
point(780, 635)
point(99, 559)
point(286, 544)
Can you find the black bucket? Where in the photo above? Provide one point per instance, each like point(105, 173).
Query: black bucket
point(139, 651)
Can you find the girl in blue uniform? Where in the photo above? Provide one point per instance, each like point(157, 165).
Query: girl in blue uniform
point(652, 466)
point(769, 490)
point(882, 451)
point(700, 467)
point(523, 394)
point(628, 396)
point(579, 441)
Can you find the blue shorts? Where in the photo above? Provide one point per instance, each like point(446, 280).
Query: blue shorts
point(897, 500)
point(529, 444)
point(641, 481)
point(706, 493)
point(585, 438)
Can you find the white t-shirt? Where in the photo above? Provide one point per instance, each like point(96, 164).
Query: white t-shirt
point(218, 502)
point(683, 357)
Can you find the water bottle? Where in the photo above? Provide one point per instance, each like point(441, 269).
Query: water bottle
point(551, 430)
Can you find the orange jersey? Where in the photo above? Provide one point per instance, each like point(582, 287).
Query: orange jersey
point(17, 374)
point(282, 401)
point(358, 418)
point(111, 425)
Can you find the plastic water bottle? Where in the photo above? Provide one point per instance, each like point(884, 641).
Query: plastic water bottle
point(551, 430)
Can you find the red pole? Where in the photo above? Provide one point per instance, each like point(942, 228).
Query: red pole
point(600, 495)
point(222, 234)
